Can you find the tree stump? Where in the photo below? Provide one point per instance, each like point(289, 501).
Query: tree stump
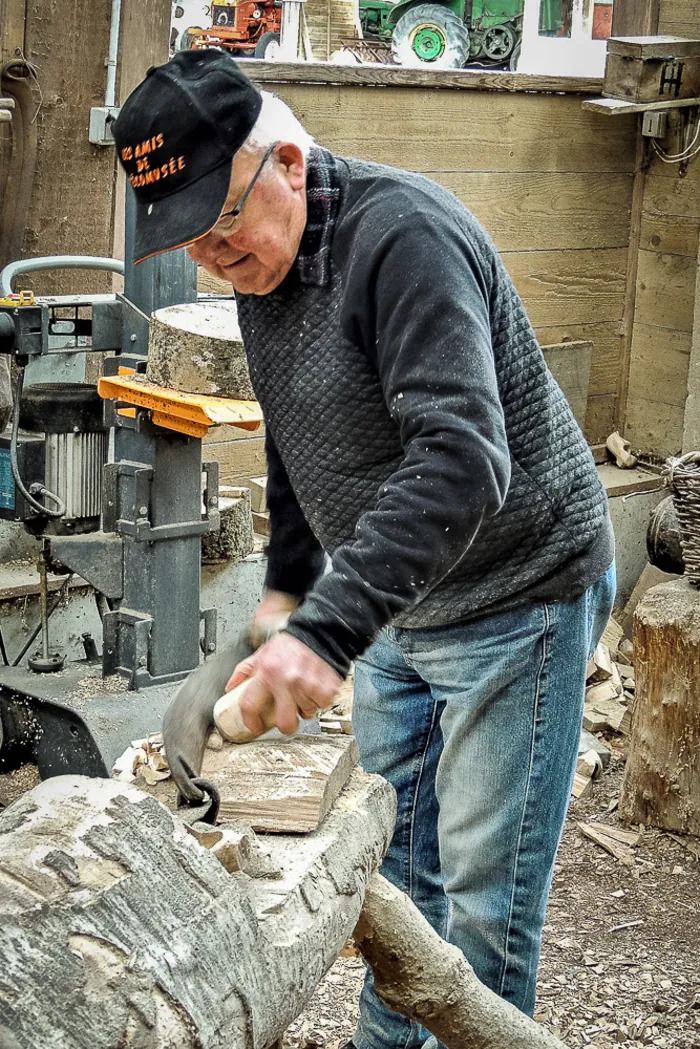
point(662, 779)
point(197, 348)
point(118, 930)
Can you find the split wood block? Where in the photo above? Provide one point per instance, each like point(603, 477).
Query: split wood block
point(281, 786)
point(593, 720)
point(611, 714)
point(197, 347)
point(258, 494)
point(612, 636)
point(261, 523)
point(582, 785)
point(588, 767)
point(602, 664)
point(233, 540)
point(603, 692)
point(626, 673)
point(617, 842)
point(661, 786)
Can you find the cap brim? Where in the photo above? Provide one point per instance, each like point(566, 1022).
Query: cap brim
point(181, 217)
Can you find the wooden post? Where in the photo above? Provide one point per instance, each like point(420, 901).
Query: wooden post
point(635, 17)
point(691, 415)
point(662, 779)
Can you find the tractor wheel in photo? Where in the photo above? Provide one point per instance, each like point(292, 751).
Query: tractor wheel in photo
point(429, 34)
point(515, 57)
point(190, 37)
point(499, 43)
point(268, 47)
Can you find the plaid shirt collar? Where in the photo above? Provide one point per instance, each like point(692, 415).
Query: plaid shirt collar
point(322, 202)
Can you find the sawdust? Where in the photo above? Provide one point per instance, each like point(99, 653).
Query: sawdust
point(621, 948)
point(16, 783)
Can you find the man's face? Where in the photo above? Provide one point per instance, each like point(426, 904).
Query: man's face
point(260, 249)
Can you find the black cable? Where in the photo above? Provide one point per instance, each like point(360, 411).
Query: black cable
point(37, 488)
point(52, 608)
point(3, 650)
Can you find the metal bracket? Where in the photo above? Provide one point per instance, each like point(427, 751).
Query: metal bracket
point(141, 528)
point(135, 327)
point(211, 495)
point(126, 636)
point(97, 557)
point(142, 476)
point(208, 643)
point(107, 324)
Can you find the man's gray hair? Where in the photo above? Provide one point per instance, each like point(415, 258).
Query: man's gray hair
point(276, 123)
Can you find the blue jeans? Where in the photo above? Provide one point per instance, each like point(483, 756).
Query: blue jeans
point(477, 727)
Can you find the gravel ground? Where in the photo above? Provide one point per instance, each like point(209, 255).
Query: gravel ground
point(621, 947)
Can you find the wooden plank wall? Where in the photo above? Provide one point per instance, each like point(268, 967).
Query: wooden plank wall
point(665, 295)
point(551, 183)
point(680, 18)
point(70, 207)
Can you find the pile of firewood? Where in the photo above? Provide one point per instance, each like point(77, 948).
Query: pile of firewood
point(610, 689)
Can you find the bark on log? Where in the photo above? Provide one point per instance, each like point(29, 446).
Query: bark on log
point(662, 779)
point(233, 539)
point(428, 980)
point(118, 930)
point(197, 348)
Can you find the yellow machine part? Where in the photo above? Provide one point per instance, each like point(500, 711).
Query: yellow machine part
point(188, 413)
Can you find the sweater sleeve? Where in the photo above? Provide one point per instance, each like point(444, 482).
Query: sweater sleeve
point(294, 555)
point(416, 301)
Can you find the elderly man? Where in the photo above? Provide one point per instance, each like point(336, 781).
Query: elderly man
point(415, 436)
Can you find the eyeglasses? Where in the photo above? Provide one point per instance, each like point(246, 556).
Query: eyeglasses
point(226, 223)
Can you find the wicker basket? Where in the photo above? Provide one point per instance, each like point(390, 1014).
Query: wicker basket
point(683, 477)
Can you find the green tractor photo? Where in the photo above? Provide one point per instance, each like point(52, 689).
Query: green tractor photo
point(447, 34)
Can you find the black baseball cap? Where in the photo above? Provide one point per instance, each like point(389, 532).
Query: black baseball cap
point(176, 137)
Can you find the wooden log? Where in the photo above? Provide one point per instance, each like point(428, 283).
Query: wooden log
point(197, 348)
point(117, 928)
point(430, 981)
point(233, 539)
point(662, 779)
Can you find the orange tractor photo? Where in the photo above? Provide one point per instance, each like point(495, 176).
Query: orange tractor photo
point(248, 28)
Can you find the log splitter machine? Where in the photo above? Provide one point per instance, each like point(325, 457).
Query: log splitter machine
point(111, 478)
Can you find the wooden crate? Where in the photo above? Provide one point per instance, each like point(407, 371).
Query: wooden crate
point(652, 68)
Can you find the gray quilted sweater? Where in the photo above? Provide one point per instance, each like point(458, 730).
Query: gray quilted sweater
point(414, 431)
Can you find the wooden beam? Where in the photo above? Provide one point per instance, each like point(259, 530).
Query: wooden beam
point(12, 16)
point(635, 17)
point(628, 316)
point(618, 107)
point(376, 75)
point(69, 209)
point(691, 420)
